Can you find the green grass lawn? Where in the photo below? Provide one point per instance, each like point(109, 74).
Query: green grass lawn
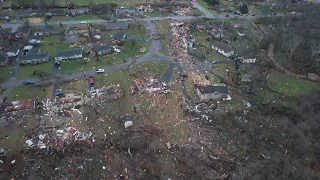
point(79, 64)
point(27, 92)
point(51, 45)
point(83, 17)
point(289, 85)
point(5, 72)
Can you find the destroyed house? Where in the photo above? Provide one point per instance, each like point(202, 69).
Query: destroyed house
point(69, 54)
point(20, 106)
point(35, 40)
point(216, 33)
point(68, 102)
point(119, 36)
point(4, 60)
point(22, 32)
point(117, 25)
point(216, 24)
point(101, 50)
point(33, 58)
point(109, 92)
point(211, 92)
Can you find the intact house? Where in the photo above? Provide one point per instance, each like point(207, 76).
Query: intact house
point(119, 36)
point(212, 92)
point(35, 40)
point(223, 48)
point(216, 33)
point(189, 42)
point(101, 50)
point(242, 24)
point(126, 10)
point(44, 31)
point(117, 25)
point(4, 60)
point(69, 54)
point(13, 52)
point(33, 58)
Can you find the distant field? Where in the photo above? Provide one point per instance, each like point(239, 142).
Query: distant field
point(87, 2)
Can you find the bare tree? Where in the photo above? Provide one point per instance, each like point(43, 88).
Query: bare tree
point(61, 25)
point(26, 23)
point(314, 47)
point(290, 43)
point(95, 51)
point(133, 42)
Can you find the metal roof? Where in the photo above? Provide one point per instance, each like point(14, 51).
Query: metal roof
point(69, 53)
point(33, 57)
point(213, 89)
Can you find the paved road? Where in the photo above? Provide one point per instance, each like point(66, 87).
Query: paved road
point(203, 10)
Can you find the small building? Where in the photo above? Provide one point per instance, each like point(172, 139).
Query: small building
point(119, 36)
point(212, 92)
point(216, 33)
point(69, 54)
point(101, 50)
point(13, 52)
point(4, 60)
point(33, 58)
point(35, 40)
point(223, 48)
point(117, 25)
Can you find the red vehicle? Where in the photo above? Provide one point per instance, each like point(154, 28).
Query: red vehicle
point(91, 80)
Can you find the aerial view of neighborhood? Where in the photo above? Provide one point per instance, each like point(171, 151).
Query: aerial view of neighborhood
point(160, 89)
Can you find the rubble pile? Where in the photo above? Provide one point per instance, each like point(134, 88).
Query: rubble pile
point(17, 107)
point(57, 138)
point(198, 79)
point(147, 86)
point(56, 105)
point(177, 49)
point(107, 92)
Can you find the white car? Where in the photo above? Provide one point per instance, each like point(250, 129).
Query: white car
point(83, 22)
point(169, 17)
point(99, 70)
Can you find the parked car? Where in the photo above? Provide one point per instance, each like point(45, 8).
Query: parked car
point(214, 62)
point(83, 22)
point(253, 15)
point(227, 15)
point(28, 82)
point(59, 92)
point(99, 70)
point(169, 17)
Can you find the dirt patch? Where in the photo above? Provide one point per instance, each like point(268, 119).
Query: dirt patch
point(35, 20)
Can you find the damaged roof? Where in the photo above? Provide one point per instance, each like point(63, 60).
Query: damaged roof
point(34, 50)
point(213, 89)
point(118, 35)
point(24, 29)
point(33, 57)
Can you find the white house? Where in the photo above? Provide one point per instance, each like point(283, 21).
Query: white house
point(223, 48)
point(13, 52)
point(33, 58)
point(70, 54)
point(212, 92)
